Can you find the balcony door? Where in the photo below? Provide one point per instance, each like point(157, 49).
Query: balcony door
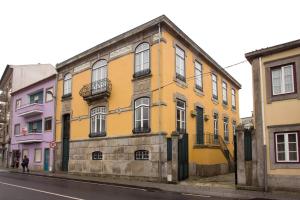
point(99, 75)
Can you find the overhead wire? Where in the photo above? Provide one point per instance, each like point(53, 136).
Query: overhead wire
point(202, 75)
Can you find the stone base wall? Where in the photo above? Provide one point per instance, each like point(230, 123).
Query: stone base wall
point(284, 182)
point(118, 157)
point(207, 170)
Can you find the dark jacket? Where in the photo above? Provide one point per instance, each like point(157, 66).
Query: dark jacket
point(25, 161)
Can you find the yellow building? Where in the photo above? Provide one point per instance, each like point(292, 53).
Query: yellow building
point(276, 83)
point(149, 103)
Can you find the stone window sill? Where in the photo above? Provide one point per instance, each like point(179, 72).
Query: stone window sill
point(198, 92)
point(141, 131)
point(215, 101)
point(66, 97)
point(138, 76)
point(101, 134)
point(180, 83)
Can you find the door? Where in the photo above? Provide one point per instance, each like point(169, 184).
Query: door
point(46, 159)
point(183, 158)
point(99, 75)
point(66, 140)
point(199, 126)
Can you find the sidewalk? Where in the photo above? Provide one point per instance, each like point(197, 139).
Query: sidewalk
point(183, 187)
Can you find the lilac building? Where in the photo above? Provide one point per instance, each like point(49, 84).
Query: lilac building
point(33, 123)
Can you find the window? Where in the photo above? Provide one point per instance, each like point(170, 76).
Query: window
point(141, 115)
point(97, 155)
point(224, 92)
point(214, 86)
point(35, 126)
point(287, 147)
point(234, 127)
point(36, 98)
point(99, 75)
point(38, 155)
point(198, 76)
point(142, 57)
point(216, 130)
point(67, 84)
point(98, 117)
point(233, 102)
point(180, 64)
point(49, 94)
point(283, 80)
point(180, 116)
point(18, 103)
point(226, 132)
point(48, 124)
point(141, 155)
point(17, 129)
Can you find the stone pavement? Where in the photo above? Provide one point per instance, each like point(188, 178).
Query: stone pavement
point(190, 186)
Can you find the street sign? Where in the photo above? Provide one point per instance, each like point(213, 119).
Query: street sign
point(52, 144)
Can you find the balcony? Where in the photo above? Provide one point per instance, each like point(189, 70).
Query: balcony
point(30, 110)
point(29, 138)
point(96, 90)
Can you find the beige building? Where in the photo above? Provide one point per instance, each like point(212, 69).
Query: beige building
point(276, 93)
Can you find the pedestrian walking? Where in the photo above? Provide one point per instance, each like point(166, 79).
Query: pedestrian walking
point(25, 163)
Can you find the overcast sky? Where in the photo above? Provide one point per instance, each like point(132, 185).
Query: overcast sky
point(53, 31)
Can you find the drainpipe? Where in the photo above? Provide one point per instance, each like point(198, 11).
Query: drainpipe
point(159, 104)
point(54, 119)
point(263, 129)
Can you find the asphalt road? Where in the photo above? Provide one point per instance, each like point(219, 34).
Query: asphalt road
point(25, 186)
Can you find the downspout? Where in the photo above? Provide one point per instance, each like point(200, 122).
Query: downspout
point(159, 104)
point(263, 127)
point(54, 128)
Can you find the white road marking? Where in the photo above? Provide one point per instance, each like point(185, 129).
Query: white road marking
point(196, 195)
point(110, 185)
point(118, 186)
point(41, 191)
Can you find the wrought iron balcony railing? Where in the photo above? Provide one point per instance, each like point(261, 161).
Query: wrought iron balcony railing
point(96, 90)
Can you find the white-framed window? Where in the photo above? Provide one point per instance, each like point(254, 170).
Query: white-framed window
point(17, 129)
point(180, 64)
point(226, 132)
point(234, 127)
point(287, 147)
point(67, 84)
point(141, 115)
point(224, 92)
point(49, 94)
point(38, 155)
point(216, 129)
point(141, 155)
point(233, 101)
point(18, 103)
point(198, 76)
point(97, 155)
point(283, 79)
point(142, 58)
point(180, 116)
point(214, 86)
point(98, 117)
point(99, 75)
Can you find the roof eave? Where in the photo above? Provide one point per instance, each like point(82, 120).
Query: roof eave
point(161, 19)
point(271, 50)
